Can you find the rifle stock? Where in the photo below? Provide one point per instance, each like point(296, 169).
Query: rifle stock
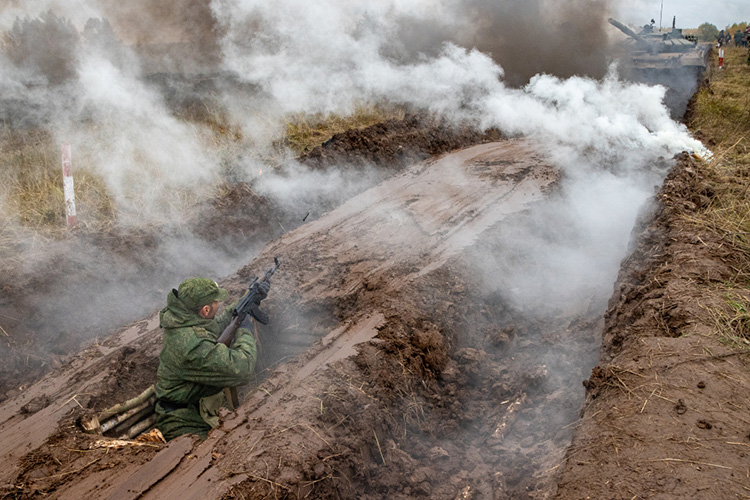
point(227, 336)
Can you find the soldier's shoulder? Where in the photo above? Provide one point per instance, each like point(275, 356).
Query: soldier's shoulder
point(202, 333)
point(189, 333)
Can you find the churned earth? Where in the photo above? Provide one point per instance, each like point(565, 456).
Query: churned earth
point(43, 322)
point(388, 373)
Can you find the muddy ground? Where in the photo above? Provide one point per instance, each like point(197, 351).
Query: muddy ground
point(57, 294)
point(388, 373)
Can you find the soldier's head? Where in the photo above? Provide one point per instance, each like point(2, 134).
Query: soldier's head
point(201, 295)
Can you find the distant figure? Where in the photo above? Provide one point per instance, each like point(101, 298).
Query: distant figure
point(720, 39)
point(739, 39)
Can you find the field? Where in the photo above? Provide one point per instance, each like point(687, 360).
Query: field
point(405, 358)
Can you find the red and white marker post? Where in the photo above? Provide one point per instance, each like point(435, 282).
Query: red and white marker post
point(70, 197)
point(721, 58)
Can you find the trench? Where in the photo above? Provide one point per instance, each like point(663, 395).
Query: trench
point(501, 403)
point(478, 366)
point(476, 308)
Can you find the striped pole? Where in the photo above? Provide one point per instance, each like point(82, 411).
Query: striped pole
point(70, 197)
point(721, 58)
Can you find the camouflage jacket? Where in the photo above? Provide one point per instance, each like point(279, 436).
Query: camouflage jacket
point(192, 364)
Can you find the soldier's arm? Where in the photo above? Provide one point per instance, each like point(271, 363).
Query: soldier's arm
point(214, 364)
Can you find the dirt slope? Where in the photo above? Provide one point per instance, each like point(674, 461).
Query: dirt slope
point(424, 406)
point(387, 374)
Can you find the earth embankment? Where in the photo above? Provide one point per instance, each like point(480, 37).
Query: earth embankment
point(666, 408)
point(417, 383)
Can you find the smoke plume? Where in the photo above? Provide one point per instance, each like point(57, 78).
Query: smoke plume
point(536, 68)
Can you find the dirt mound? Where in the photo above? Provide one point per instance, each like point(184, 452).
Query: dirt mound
point(665, 410)
point(58, 298)
point(416, 384)
point(387, 373)
point(395, 143)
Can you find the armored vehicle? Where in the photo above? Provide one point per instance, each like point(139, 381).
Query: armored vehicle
point(666, 58)
point(652, 50)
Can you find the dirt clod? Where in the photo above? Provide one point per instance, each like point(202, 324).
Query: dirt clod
point(680, 407)
point(704, 424)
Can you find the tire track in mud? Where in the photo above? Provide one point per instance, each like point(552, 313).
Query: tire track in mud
point(383, 272)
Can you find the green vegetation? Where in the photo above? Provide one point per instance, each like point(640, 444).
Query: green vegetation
point(707, 32)
point(721, 118)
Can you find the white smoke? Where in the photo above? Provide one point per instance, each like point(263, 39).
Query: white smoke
point(329, 57)
point(326, 57)
point(150, 159)
point(609, 137)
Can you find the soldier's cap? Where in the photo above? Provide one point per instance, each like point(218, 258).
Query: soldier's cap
point(198, 292)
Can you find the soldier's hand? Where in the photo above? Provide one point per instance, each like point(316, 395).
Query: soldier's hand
point(263, 288)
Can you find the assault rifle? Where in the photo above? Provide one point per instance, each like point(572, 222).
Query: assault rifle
point(248, 305)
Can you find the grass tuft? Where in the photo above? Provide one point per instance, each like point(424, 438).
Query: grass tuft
point(732, 322)
point(305, 132)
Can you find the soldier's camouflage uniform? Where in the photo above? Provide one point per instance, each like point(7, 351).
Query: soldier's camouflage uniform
point(194, 369)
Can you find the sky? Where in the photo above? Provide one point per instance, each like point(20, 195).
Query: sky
point(689, 13)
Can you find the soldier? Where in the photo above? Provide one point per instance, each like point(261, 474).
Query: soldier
point(193, 367)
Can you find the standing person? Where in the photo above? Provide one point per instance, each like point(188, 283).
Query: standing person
point(193, 367)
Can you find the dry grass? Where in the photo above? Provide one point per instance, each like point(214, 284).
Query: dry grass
point(721, 118)
point(32, 210)
point(305, 132)
point(31, 188)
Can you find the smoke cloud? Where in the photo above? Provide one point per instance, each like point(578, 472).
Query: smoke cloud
point(535, 68)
